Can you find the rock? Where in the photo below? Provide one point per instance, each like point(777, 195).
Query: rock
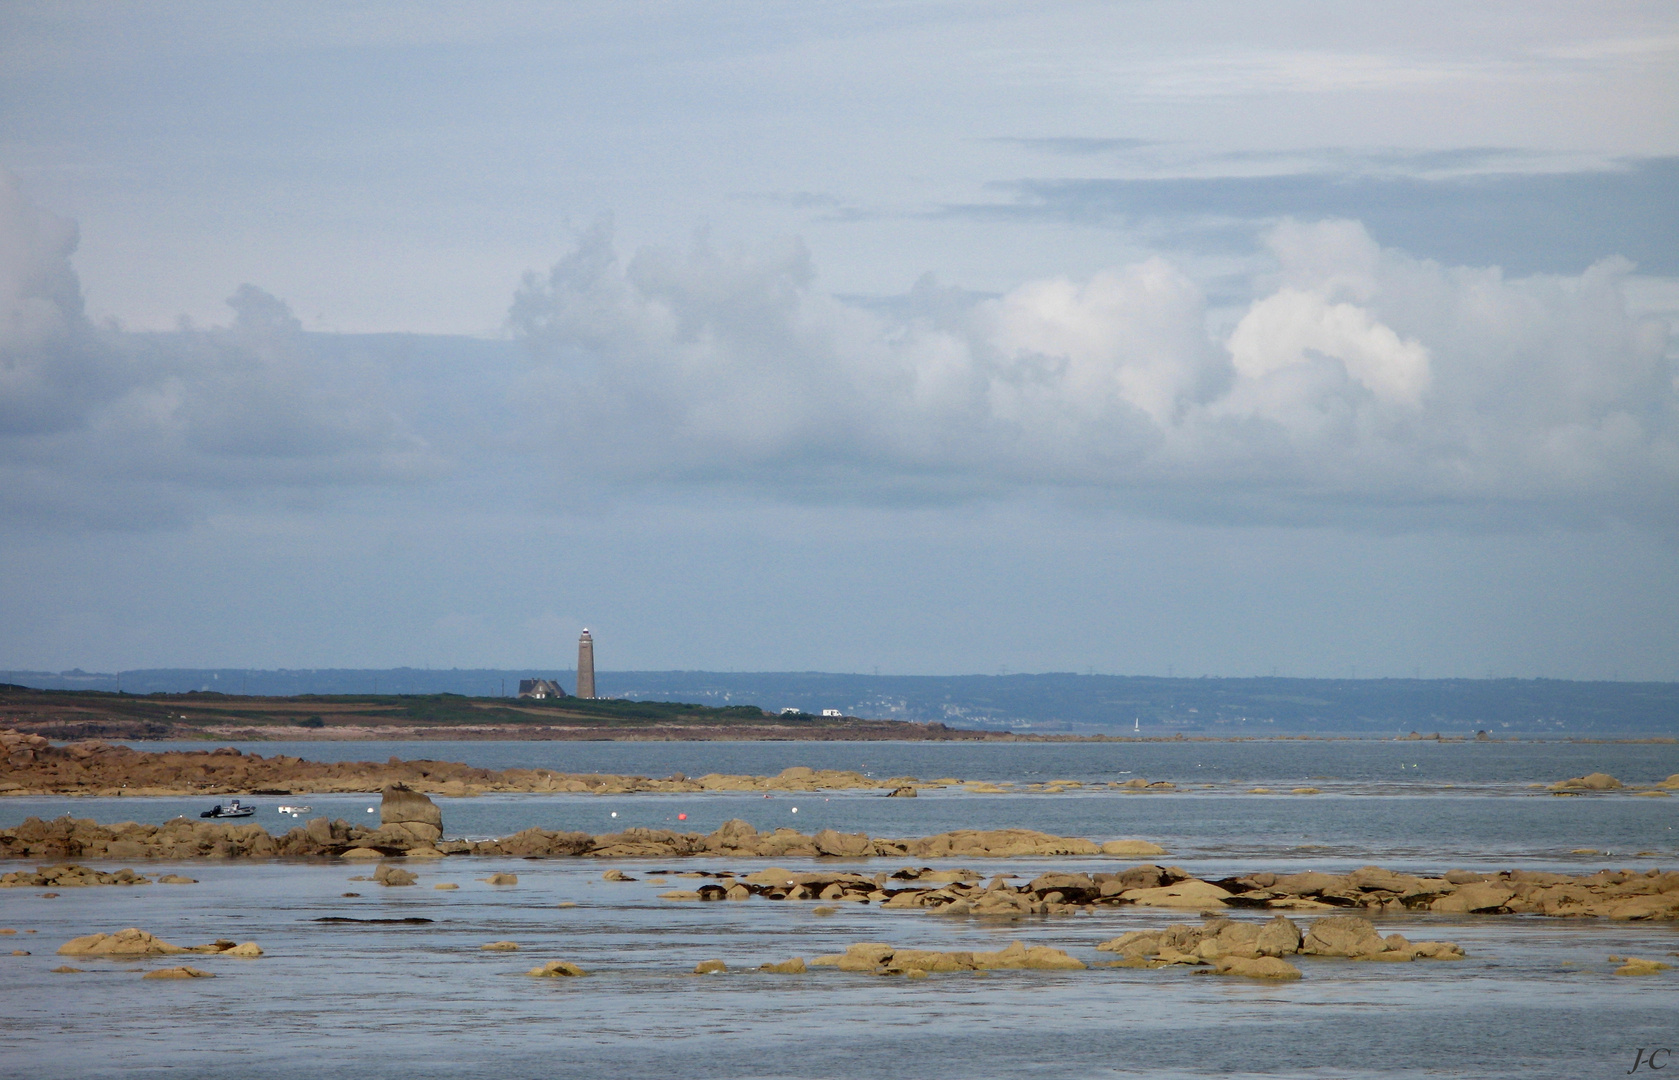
point(1044, 958)
point(795, 966)
point(1590, 782)
point(20, 952)
point(1481, 896)
point(405, 810)
point(390, 875)
point(824, 910)
point(1342, 935)
point(176, 879)
point(423, 853)
point(1670, 782)
point(177, 973)
point(1279, 937)
point(616, 875)
point(130, 942)
point(1131, 848)
point(710, 967)
point(1259, 967)
point(363, 853)
point(499, 946)
point(445, 885)
point(1304, 791)
point(501, 879)
point(556, 969)
point(1190, 893)
point(66, 969)
point(901, 793)
point(249, 950)
point(1637, 966)
point(854, 845)
point(679, 894)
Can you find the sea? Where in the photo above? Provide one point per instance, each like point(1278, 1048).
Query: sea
point(1534, 997)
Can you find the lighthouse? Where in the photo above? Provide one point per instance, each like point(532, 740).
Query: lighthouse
point(585, 665)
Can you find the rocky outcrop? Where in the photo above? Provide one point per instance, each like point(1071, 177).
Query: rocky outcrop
point(390, 875)
point(557, 969)
point(1258, 967)
point(71, 876)
point(880, 958)
point(1614, 894)
point(1235, 947)
point(177, 973)
point(408, 814)
point(1590, 782)
point(1634, 965)
point(130, 942)
point(136, 942)
point(32, 765)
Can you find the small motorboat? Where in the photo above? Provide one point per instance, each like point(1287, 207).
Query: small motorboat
point(234, 808)
point(294, 811)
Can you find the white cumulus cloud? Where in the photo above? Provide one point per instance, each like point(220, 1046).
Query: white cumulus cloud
point(1358, 377)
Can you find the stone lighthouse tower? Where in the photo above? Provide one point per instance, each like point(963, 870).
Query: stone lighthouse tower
point(585, 665)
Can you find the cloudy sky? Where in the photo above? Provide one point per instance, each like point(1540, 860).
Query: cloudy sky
point(1218, 338)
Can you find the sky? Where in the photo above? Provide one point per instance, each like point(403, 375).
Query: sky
point(1129, 337)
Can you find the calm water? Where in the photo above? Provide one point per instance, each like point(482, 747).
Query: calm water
point(1534, 998)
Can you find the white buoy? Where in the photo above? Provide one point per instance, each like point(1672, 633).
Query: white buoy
point(614, 813)
point(795, 809)
point(370, 809)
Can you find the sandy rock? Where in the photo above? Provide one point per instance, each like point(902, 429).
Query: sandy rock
point(824, 910)
point(249, 950)
point(66, 969)
point(1132, 848)
point(363, 853)
point(176, 879)
point(423, 853)
point(905, 792)
point(616, 875)
point(710, 967)
point(556, 969)
point(854, 845)
point(1634, 965)
point(446, 885)
point(1660, 906)
point(1342, 935)
point(130, 942)
point(501, 879)
point(406, 810)
point(1190, 893)
point(1671, 782)
point(177, 973)
point(1279, 937)
point(499, 946)
point(1590, 782)
point(1260, 967)
point(390, 875)
point(70, 875)
point(679, 894)
point(1305, 791)
point(795, 966)
point(1481, 896)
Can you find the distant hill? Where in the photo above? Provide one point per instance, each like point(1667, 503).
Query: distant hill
point(1037, 703)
